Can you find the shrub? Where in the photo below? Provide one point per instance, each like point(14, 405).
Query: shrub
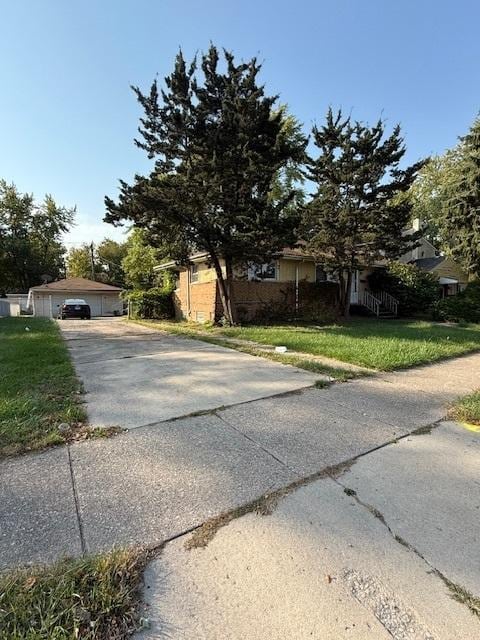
point(464, 307)
point(417, 291)
point(153, 304)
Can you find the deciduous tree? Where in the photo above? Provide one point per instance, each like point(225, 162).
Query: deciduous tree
point(31, 247)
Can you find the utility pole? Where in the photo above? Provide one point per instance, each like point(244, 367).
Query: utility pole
point(92, 261)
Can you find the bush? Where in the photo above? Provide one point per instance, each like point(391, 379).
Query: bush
point(464, 307)
point(417, 291)
point(153, 304)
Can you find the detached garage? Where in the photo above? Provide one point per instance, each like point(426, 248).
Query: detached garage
point(104, 299)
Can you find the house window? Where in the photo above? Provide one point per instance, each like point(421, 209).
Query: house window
point(267, 271)
point(320, 273)
point(194, 273)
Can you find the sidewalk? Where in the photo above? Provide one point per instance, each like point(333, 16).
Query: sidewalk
point(157, 482)
point(377, 552)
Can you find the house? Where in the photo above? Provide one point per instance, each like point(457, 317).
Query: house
point(289, 283)
point(451, 278)
point(293, 281)
point(104, 299)
point(9, 308)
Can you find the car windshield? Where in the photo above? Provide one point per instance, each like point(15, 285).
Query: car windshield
point(75, 301)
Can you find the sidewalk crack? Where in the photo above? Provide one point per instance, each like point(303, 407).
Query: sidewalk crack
point(457, 591)
point(77, 503)
point(257, 444)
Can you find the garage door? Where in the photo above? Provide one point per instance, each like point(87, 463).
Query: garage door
point(95, 303)
point(93, 300)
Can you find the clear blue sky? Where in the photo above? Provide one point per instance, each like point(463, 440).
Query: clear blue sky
point(68, 116)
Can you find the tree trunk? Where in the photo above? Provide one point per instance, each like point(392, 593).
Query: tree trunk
point(225, 289)
point(345, 286)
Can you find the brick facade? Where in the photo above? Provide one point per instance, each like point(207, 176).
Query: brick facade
point(196, 302)
point(252, 299)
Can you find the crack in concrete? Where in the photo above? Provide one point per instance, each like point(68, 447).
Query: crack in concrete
point(457, 592)
point(267, 502)
point(257, 444)
point(76, 501)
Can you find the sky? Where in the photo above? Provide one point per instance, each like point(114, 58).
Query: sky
point(68, 116)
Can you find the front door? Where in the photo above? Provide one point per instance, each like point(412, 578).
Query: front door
point(354, 288)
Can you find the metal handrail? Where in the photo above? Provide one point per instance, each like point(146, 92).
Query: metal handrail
point(371, 302)
point(388, 301)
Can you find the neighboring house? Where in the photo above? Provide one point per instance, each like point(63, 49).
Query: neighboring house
point(21, 299)
point(292, 280)
point(9, 308)
point(451, 278)
point(104, 299)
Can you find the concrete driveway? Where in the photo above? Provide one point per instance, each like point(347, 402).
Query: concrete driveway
point(135, 376)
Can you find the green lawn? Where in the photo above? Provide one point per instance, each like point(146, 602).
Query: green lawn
point(383, 345)
point(38, 385)
point(376, 344)
point(467, 409)
point(93, 598)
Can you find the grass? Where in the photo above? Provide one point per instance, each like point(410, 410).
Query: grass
point(38, 386)
point(467, 409)
point(382, 345)
point(92, 598)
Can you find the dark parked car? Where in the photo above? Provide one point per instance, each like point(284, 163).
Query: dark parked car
point(75, 308)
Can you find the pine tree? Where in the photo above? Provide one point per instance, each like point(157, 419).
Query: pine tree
point(218, 145)
point(460, 224)
point(356, 216)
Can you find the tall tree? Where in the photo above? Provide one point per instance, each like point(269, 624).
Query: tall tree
point(218, 146)
point(110, 255)
point(460, 222)
point(79, 263)
point(431, 192)
point(355, 215)
point(139, 261)
point(31, 247)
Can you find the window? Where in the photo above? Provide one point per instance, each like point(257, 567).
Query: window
point(267, 271)
point(194, 273)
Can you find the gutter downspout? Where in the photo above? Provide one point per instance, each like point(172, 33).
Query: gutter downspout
point(188, 294)
point(296, 289)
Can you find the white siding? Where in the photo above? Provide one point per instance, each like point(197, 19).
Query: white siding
point(101, 304)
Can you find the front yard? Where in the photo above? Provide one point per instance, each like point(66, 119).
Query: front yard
point(38, 386)
point(382, 345)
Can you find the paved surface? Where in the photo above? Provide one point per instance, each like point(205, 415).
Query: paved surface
point(136, 376)
point(157, 482)
point(357, 557)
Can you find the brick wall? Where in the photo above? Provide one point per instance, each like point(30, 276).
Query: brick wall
point(253, 299)
point(202, 300)
point(257, 299)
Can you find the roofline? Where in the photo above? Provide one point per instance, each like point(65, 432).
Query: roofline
point(48, 289)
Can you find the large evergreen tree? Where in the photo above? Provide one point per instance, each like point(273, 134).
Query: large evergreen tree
point(356, 216)
point(460, 222)
point(218, 145)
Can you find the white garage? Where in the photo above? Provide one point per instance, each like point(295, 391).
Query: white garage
point(104, 299)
